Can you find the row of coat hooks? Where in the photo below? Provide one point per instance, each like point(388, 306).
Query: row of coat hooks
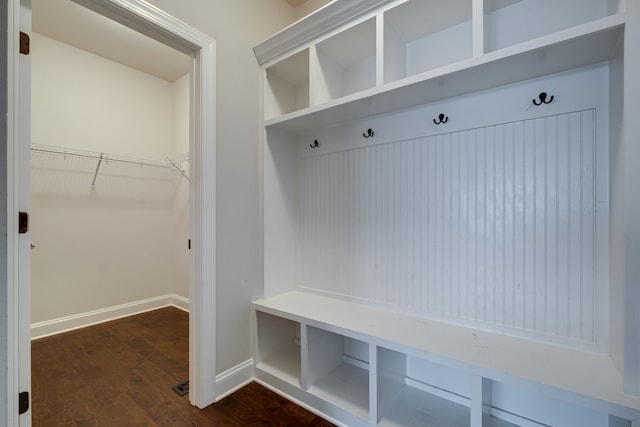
point(543, 98)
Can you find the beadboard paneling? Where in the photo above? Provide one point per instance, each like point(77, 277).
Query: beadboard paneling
point(495, 225)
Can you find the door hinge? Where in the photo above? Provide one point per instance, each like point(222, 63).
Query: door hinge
point(24, 43)
point(23, 222)
point(23, 402)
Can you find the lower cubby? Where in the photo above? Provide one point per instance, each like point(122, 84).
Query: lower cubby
point(526, 405)
point(414, 392)
point(337, 370)
point(278, 347)
point(413, 407)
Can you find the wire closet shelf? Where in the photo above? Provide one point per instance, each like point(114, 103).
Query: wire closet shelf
point(171, 162)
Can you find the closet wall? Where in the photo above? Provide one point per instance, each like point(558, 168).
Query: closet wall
point(125, 239)
point(309, 6)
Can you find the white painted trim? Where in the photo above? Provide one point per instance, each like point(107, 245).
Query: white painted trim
point(202, 291)
point(18, 180)
point(150, 21)
point(180, 302)
point(324, 20)
point(234, 379)
point(13, 146)
point(107, 314)
point(631, 151)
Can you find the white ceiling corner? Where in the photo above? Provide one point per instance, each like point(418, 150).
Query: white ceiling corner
point(84, 29)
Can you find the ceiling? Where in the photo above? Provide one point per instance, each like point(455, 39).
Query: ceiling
point(80, 27)
point(77, 26)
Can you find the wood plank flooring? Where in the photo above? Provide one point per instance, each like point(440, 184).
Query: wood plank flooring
point(120, 373)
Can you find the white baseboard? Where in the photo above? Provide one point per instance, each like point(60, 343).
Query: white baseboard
point(179, 302)
point(234, 379)
point(82, 320)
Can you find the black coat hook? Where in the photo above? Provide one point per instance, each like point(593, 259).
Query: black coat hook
point(441, 119)
point(543, 99)
point(369, 133)
point(315, 144)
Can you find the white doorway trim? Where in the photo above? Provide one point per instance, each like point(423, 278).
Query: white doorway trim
point(153, 22)
point(18, 199)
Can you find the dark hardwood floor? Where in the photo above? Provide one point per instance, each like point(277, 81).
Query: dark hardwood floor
point(120, 373)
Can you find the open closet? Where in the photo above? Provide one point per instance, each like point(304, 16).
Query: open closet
point(110, 188)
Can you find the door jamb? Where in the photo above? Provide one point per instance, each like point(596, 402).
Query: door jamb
point(16, 317)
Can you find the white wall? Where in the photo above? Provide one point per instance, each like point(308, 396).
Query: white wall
point(310, 6)
point(97, 104)
point(180, 115)
point(236, 26)
point(180, 234)
point(126, 239)
point(182, 230)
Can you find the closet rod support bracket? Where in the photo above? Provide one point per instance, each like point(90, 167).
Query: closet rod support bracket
point(178, 168)
point(95, 175)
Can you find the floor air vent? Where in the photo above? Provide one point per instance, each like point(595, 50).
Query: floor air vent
point(182, 388)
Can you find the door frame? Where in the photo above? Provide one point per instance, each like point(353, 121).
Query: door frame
point(18, 199)
point(153, 22)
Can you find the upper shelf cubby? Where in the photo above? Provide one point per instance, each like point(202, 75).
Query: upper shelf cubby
point(395, 54)
point(579, 47)
point(345, 63)
point(287, 85)
point(509, 22)
point(421, 35)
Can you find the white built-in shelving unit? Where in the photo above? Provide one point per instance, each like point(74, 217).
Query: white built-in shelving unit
point(447, 216)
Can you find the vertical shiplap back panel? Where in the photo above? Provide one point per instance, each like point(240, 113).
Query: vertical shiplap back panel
point(495, 225)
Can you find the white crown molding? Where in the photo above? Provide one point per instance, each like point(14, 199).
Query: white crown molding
point(322, 21)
